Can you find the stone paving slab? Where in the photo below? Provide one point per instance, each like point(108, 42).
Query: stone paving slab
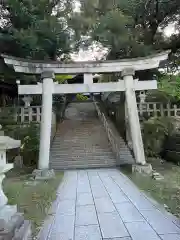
point(170, 237)
point(124, 238)
point(99, 191)
point(160, 223)
point(86, 215)
point(63, 226)
point(84, 199)
point(83, 184)
point(103, 204)
point(118, 197)
point(129, 212)
point(91, 232)
point(83, 188)
point(66, 207)
point(141, 231)
point(111, 225)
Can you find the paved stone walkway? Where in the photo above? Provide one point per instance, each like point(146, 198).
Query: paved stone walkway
point(105, 204)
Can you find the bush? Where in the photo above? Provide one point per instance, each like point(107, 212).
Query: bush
point(155, 132)
point(30, 144)
point(172, 149)
point(81, 97)
point(29, 136)
point(7, 116)
point(159, 96)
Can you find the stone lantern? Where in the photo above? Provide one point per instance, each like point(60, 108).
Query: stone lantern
point(6, 212)
point(142, 96)
point(142, 105)
point(27, 101)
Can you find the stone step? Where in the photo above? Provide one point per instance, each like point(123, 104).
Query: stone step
point(82, 167)
point(84, 143)
point(67, 147)
point(69, 158)
point(87, 148)
point(87, 139)
point(82, 152)
point(78, 143)
point(79, 146)
point(71, 164)
point(76, 156)
point(59, 156)
point(76, 135)
point(82, 157)
point(81, 162)
point(76, 166)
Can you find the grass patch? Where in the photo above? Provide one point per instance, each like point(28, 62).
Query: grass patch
point(33, 201)
point(165, 191)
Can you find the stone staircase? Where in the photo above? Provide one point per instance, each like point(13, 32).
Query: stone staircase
point(81, 140)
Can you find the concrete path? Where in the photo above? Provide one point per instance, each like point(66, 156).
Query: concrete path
point(105, 204)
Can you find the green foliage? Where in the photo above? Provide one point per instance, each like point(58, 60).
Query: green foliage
point(30, 144)
point(33, 200)
point(62, 78)
point(159, 96)
point(168, 90)
point(127, 28)
point(29, 136)
point(35, 29)
point(81, 97)
point(165, 191)
point(170, 85)
point(7, 116)
point(155, 131)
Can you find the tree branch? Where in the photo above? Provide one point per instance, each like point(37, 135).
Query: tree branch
point(54, 3)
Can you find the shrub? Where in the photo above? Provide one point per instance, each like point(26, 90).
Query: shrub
point(155, 132)
point(81, 97)
point(30, 144)
point(172, 148)
point(7, 116)
point(29, 136)
point(158, 96)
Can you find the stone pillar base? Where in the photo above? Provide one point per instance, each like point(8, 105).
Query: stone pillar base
point(16, 228)
point(6, 213)
point(143, 169)
point(43, 174)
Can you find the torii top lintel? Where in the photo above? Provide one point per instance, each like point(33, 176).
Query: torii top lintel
point(37, 67)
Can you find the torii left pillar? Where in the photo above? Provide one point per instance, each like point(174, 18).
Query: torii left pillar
point(45, 129)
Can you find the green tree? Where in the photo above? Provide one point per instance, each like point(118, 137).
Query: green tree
point(127, 28)
point(35, 29)
point(170, 85)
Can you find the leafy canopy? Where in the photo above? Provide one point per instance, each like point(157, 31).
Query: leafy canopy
point(35, 29)
point(128, 28)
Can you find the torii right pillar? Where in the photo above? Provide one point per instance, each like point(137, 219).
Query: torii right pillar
point(133, 118)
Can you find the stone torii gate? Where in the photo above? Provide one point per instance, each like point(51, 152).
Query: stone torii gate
point(47, 70)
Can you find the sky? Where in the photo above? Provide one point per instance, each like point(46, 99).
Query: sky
point(94, 53)
point(169, 30)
